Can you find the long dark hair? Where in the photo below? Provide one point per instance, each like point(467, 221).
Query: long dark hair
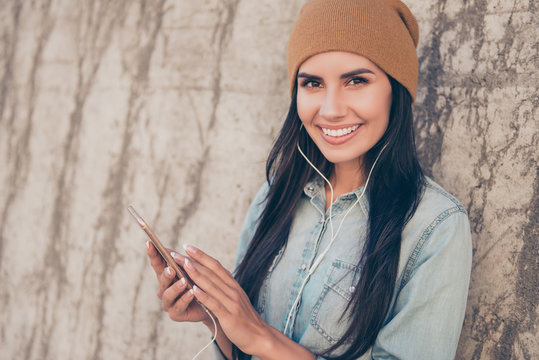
point(394, 192)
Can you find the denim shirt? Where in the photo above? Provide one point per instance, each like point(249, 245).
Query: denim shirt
point(427, 310)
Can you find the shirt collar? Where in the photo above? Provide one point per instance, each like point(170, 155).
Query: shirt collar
point(315, 187)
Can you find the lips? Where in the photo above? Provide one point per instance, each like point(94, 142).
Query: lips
point(340, 132)
point(340, 135)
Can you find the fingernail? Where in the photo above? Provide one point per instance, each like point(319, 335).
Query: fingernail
point(178, 257)
point(173, 254)
point(169, 272)
point(191, 292)
point(181, 284)
point(190, 248)
point(188, 264)
point(148, 245)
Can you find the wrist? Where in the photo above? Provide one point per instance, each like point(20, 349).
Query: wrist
point(266, 343)
point(209, 324)
point(276, 346)
point(221, 340)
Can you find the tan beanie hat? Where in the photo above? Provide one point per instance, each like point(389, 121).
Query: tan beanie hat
point(384, 31)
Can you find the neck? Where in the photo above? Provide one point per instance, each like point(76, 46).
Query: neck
point(345, 178)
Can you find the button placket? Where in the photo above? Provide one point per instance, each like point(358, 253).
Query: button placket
point(307, 258)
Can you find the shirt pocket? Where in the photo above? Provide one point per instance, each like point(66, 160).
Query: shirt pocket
point(337, 292)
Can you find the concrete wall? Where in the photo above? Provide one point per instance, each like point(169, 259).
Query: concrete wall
point(172, 106)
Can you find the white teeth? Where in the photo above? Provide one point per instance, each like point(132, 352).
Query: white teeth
point(340, 132)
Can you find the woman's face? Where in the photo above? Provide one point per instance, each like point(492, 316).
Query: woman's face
point(344, 101)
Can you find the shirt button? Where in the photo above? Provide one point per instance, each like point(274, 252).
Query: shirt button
point(303, 266)
point(352, 289)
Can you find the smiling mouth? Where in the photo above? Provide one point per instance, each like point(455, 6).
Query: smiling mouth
point(340, 132)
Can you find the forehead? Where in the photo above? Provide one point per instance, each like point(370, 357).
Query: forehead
point(336, 62)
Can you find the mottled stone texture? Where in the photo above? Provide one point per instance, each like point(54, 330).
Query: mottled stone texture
point(172, 106)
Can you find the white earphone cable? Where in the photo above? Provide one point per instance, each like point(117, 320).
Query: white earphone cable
point(214, 333)
point(333, 235)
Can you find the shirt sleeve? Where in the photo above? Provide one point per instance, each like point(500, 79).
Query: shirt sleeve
point(251, 222)
point(246, 235)
point(428, 312)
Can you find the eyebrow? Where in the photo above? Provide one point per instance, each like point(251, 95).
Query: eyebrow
point(343, 76)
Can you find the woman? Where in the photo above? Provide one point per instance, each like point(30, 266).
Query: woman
point(347, 251)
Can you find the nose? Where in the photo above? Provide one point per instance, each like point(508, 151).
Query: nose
point(332, 107)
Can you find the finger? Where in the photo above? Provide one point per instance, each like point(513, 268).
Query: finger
point(165, 279)
point(179, 258)
point(171, 294)
point(206, 280)
point(179, 309)
point(209, 302)
point(156, 260)
point(211, 264)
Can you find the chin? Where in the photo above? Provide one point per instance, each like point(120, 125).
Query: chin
point(341, 158)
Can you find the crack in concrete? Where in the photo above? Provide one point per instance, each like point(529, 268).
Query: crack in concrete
point(20, 149)
point(143, 268)
point(222, 34)
point(93, 44)
point(523, 317)
point(430, 65)
point(150, 22)
point(10, 41)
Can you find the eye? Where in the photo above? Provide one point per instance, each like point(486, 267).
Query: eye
point(357, 81)
point(310, 83)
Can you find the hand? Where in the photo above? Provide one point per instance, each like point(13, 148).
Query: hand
point(173, 295)
point(223, 296)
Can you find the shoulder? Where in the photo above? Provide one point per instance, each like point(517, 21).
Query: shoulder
point(257, 206)
point(436, 199)
point(436, 205)
point(439, 223)
point(259, 201)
